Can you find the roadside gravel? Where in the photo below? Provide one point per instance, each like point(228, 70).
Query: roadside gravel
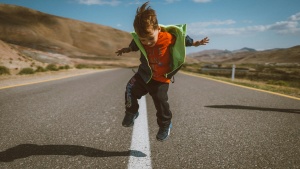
point(15, 80)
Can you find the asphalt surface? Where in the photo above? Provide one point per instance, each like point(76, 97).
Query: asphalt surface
point(76, 123)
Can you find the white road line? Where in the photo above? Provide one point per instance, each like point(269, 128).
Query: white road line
point(140, 139)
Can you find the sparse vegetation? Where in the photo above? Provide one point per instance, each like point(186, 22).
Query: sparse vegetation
point(52, 67)
point(81, 66)
point(67, 67)
point(278, 83)
point(40, 69)
point(85, 66)
point(4, 70)
point(32, 64)
point(64, 67)
point(26, 71)
point(281, 79)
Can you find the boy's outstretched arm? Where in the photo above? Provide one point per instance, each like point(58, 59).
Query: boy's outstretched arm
point(119, 52)
point(131, 48)
point(201, 42)
point(190, 42)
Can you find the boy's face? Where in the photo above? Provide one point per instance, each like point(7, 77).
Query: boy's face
point(151, 38)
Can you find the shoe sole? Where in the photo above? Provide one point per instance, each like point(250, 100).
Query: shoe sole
point(161, 140)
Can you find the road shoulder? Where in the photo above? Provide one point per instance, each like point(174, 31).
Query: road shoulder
point(8, 81)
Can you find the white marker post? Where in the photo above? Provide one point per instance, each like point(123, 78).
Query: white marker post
point(233, 72)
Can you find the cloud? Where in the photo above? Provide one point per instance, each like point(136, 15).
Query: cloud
point(283, 25)
point(212, 23)
point(290, 26)
point(99, 2)
point(295, 17)
point(136, 2)
point(201, 1)
point(171, 1)
point(286, 27)
point(232, 31)
point(247, 21)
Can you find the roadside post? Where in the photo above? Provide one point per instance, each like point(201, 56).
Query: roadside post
point(233, 72)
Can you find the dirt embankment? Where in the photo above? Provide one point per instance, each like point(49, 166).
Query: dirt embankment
point(30, 38)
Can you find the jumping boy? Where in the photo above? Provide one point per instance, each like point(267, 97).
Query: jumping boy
point(162, 55)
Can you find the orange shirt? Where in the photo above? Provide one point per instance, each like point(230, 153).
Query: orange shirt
point(159, 56)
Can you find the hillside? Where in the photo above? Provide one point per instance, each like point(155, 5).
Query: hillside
point(247, 55)
point(13, 59)
point(29, 38)
point(41, 36)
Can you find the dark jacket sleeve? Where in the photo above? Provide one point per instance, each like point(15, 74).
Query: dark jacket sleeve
point(133, 46)
point(188, 41)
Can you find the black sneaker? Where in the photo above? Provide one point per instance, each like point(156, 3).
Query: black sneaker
point(163, 133)
point(129, 118)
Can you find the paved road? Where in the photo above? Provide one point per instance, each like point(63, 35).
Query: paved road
point(76, 123)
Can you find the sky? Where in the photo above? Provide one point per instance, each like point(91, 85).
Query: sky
point(229, 24)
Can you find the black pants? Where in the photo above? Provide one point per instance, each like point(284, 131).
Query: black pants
point(136, 88)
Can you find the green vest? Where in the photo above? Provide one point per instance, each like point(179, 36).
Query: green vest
point(177, 50)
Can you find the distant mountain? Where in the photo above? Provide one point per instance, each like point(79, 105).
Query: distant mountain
point(38, 35)
point(245, 49)
point(248, 55)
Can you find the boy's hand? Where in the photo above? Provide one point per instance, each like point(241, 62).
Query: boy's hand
point(123, 50)
point(201, 42)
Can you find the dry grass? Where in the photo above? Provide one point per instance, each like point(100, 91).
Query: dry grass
point(290, 91)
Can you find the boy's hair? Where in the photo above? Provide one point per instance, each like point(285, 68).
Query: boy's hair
point(145, 18)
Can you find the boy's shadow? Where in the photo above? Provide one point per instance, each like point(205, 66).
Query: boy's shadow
point(26, 150)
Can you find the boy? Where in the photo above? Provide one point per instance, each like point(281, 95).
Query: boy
point(162, 55)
